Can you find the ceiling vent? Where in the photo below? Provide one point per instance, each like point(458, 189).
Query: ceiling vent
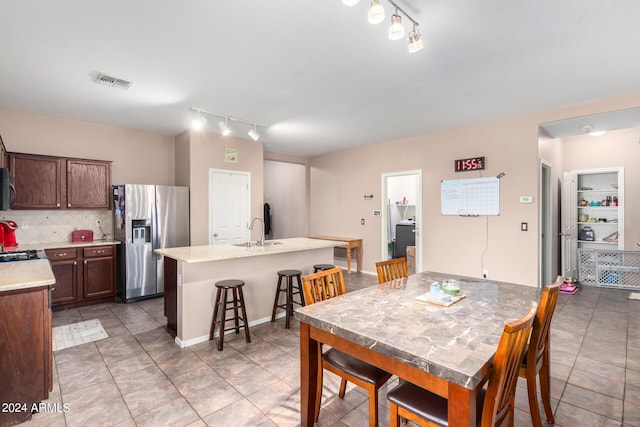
point(103, 79)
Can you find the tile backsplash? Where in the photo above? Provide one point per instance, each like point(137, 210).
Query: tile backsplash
point(57, 225)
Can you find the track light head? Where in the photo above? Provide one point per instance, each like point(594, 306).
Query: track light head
point(376, 12)
point(198, 122)
point(253, 133)
point(223, 127)
point(396, 30)
point(415, 41)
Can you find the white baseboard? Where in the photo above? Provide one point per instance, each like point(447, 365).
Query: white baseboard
point(198, 340)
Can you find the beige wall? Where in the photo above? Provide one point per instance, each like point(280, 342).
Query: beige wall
point(450, 244)
point(613, 149)
point(206, 151)
point(138, 157)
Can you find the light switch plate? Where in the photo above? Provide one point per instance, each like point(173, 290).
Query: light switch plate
point(526, 199)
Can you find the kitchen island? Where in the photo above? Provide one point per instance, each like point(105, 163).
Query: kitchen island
point(191, 273)
point(25, 338)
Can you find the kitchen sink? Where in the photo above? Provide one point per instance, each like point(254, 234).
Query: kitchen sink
point(245, 244)
point(252, 244)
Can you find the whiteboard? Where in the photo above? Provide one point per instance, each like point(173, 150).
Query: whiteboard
point(470, 197)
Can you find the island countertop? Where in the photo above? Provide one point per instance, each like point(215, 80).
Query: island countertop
point(25, 274)
point(207, 253)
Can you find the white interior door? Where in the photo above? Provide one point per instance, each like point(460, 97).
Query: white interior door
point(569, 226)
point(229, 206)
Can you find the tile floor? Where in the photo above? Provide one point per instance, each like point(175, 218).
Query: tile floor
point(139, 377)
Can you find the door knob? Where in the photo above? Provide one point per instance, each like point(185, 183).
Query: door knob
point(215, 234)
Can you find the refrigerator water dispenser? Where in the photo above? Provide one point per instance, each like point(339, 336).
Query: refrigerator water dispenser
point(141, 230)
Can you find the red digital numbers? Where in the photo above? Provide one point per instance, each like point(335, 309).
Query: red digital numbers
point(472, 164)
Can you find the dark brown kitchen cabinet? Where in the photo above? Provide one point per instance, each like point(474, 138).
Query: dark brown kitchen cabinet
point(84, 276)
point(38, 181)
point(88, 184)
point(26, 362)
point(99, 272)
point(65, 269)
point(48, 182)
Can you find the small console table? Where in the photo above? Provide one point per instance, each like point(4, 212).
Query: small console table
point(350, 243)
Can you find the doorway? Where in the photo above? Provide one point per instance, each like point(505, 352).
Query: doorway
point(285, 192)
point(402, 217)
point(229, 206)
point(546, 209)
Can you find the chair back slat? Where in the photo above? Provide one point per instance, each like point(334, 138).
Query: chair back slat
point(500, 395)
point(392, 269)
point(323, 285)
point(542, 323)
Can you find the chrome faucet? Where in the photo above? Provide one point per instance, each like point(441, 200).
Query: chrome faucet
point(261, 241)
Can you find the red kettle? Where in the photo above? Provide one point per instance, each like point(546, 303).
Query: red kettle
point(9, 231)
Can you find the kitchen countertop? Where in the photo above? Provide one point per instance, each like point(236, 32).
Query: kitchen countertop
point(25, 274)
point(206, 253)
point(56, 245)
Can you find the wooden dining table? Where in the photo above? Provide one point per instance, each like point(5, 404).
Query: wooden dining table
point(447, 350)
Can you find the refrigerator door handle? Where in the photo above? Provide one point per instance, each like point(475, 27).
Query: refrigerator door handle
point(155, 232)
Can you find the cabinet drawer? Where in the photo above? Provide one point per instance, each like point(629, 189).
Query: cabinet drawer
point(66, 253)
point(98, 251)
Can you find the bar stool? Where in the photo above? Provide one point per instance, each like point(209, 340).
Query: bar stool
point(322, 267)
point(221, 305)
point(288, 290)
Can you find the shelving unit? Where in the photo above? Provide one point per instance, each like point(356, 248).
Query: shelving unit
point(606, 189)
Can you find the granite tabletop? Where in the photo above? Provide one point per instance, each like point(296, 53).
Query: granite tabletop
point(25, 274)
point(456, 343)
point(207, 253)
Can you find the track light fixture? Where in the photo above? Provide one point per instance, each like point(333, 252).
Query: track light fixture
point(224, 128)
point(253, 133)
point(198, 122)
point(396, 31)
point(223, 125)
point(376, 12)
point(415, 40)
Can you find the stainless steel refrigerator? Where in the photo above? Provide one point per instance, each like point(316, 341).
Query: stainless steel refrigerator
point(147, 217)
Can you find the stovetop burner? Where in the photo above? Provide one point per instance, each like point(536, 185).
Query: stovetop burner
point(24, 255)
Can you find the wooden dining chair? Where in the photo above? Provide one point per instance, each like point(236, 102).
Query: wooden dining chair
point(536, 359)
point(495, 403)
point(325, 285)
point(392, 269)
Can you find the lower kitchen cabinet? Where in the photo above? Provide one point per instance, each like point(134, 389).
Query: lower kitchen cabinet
point(26, 362)
point(84, 276)
point(99, 272)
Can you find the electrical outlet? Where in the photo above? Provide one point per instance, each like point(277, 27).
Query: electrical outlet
point(485, 273)
point(98, 223)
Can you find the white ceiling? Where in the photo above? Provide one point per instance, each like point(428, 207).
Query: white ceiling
point(316, 72)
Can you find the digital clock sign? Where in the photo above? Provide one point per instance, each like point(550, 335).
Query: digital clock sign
point(472, 164)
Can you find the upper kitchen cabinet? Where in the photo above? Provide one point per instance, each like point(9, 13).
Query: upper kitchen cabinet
point(37, 181)
point(48, 182)
point(88, 184)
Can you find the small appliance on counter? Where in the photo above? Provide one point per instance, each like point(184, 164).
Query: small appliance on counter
point(82, 236)
point(8, 233)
